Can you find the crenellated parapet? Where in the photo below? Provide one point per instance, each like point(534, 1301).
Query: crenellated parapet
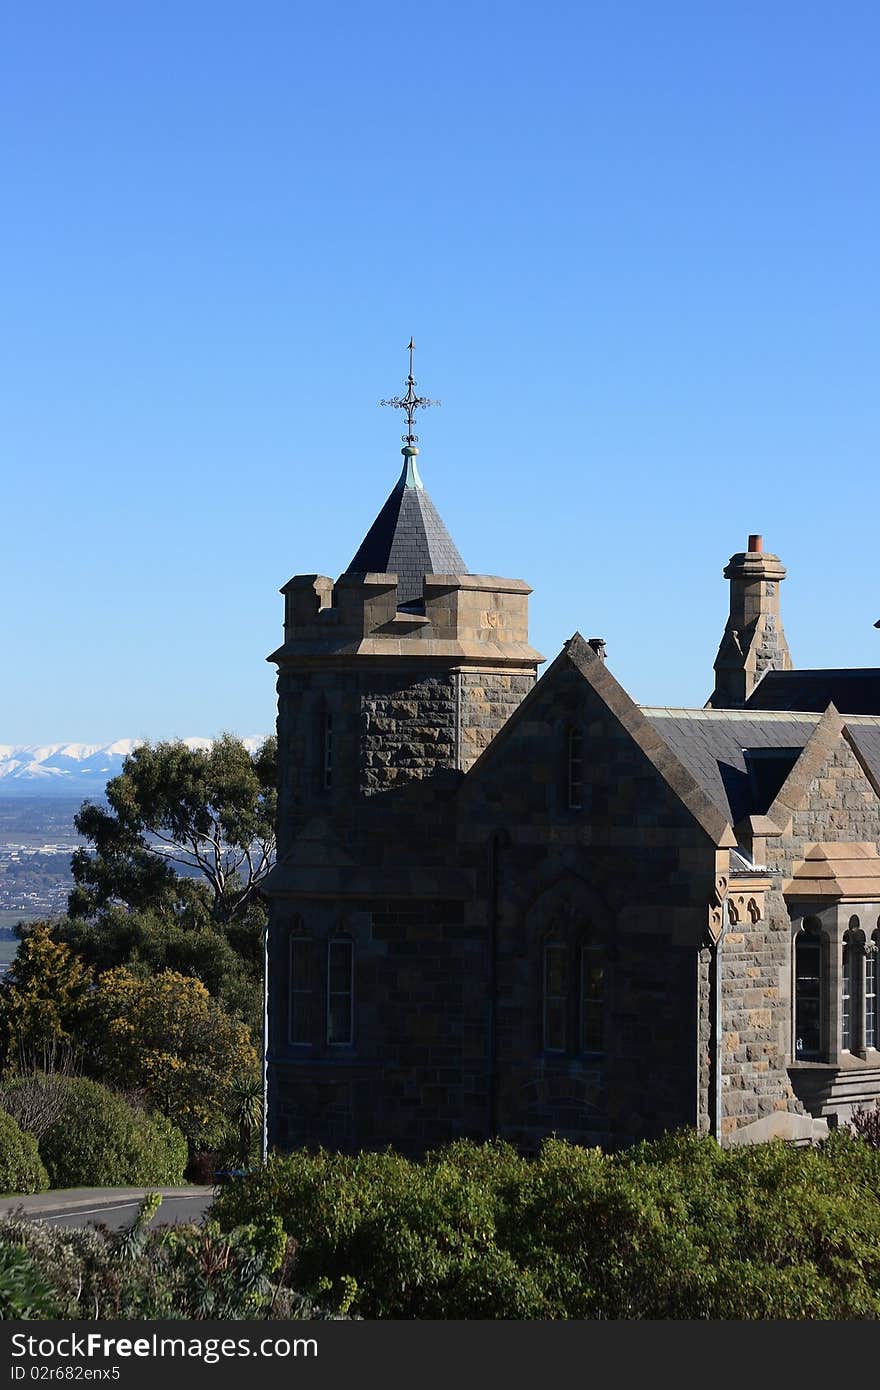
point(460, 617)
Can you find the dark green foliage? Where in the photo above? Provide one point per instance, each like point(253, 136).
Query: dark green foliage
point(674, 1229)
point(98, 1140)
point(21, 1169)
point(187, 828)
point(227, 960)
point(178, 1272)
point(171, 878)
point(23, 1291)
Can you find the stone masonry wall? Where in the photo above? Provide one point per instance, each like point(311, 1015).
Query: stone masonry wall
point(754, 1079)
point(402, 1082)
point(840, 804)
point(408, 728)
point(635, 867)
point(487, 700)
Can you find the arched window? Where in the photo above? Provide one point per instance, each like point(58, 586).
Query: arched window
point(871, 989)
point(592, 998)
point(303, 991)
point(808, 992)
point(574, 770)
point(340, 991)
point(555, 967)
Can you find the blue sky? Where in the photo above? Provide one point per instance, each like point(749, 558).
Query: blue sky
point(636, 244)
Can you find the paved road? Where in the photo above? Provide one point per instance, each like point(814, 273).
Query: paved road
point(114, 1206)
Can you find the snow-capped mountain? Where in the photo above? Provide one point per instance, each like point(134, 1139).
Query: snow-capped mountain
point(78, 768)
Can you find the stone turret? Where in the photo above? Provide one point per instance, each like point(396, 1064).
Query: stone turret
point(389, 676)
point(753, 641)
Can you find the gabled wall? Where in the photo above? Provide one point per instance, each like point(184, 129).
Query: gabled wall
point(638, 870)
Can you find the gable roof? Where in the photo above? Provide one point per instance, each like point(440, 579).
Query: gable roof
point(714, 744)
point(408, 538)
point(665, 760)
point(855, 691)
point(721, 749)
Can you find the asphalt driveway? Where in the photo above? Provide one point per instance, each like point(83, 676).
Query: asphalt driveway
point(113, 1206)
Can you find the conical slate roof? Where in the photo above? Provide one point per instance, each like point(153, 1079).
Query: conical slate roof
point(408, 537)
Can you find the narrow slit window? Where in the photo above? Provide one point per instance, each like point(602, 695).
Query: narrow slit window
point(575, 770)
point(555, 996)
point(327, 751)
point(340, 992)
point(303, 991)
point(592, 998)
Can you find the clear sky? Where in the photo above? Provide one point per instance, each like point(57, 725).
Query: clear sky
point(636, 242)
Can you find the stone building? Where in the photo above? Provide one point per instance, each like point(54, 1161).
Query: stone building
point(513, 906)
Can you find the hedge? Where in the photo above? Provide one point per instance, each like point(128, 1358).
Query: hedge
point(678, 1228)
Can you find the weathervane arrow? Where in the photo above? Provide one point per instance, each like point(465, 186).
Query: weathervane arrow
point(410, 402)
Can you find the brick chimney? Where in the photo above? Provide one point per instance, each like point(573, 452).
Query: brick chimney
point(753, 640)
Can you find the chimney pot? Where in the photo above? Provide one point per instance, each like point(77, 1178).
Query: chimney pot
point(756, 545)
point(598, 645)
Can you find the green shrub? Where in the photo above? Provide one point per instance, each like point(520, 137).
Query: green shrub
point(175, 1272)
point(99, 1140)
point(673, 1229)
point(23, 1291)
point(21, 1169)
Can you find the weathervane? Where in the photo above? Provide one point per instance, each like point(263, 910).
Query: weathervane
point(410, 402)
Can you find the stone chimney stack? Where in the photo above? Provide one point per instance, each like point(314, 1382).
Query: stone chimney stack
point(753, 640)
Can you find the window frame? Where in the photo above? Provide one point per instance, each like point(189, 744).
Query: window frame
point(591, 951)
point(847, 982)
point(578, 949)
point(872, 951)
point(335, 942)
point(809, 930)
point(554, 944)
point(298, 937)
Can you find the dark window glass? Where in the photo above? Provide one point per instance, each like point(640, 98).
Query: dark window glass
point(555, 996)
point(592, 998)
point(340, 965)
point(327, 753)
point(808, 993)
point(303, 991)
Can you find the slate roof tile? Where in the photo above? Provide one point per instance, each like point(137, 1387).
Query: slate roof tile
point(408, 538)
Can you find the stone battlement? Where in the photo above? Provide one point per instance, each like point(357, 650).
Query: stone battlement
point(459, 616)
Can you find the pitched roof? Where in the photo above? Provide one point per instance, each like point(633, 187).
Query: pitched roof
point(408, 538)
point(713, 745)
point(851, 691)
point(730, 753)
point(672, 769)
